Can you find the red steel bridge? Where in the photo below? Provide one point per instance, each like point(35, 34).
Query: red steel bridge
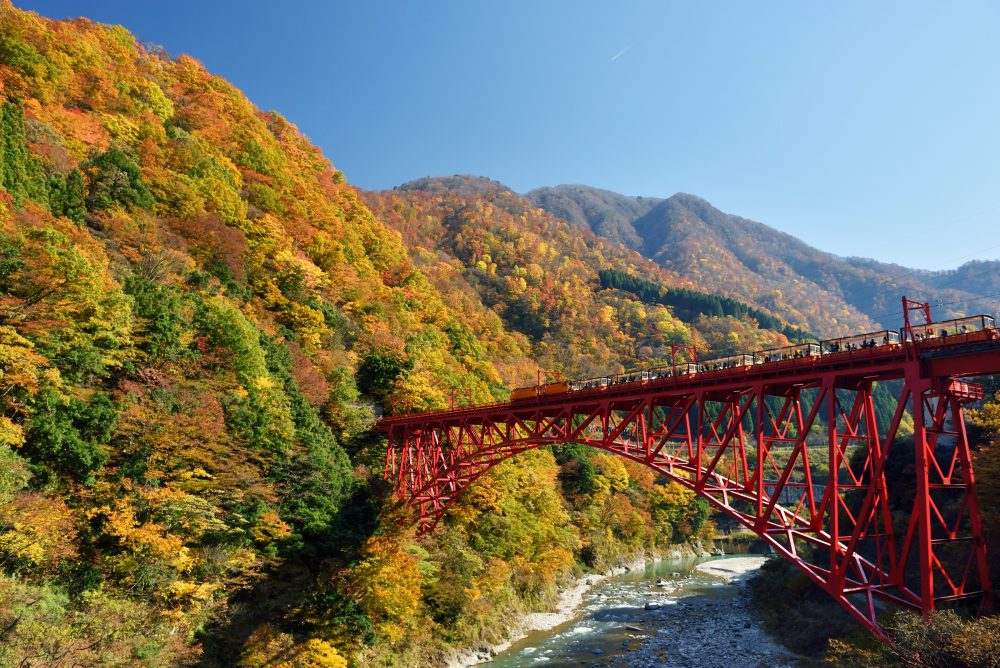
point(787, 442)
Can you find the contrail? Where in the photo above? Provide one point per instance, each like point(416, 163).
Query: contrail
point(620, 54)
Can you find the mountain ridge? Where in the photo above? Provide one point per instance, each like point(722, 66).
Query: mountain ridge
point(751, 261)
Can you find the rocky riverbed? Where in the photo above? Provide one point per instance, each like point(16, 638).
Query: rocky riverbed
point(699, 632)
point(698, 618)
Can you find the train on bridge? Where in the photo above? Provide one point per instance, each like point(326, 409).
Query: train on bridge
point(958, 331)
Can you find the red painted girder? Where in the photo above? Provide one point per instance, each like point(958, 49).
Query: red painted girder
point(956, 364)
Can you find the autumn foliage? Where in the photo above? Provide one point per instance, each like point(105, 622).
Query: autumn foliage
point(199, 320)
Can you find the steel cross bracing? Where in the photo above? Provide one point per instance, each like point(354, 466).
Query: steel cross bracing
point(793, 451)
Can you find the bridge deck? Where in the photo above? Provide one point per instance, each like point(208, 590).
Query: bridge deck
point(976, 353)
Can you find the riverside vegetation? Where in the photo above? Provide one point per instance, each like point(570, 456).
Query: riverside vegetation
point(198, 319)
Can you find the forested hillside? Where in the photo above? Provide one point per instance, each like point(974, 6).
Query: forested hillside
point(198, 316)
point(542, 276)
point(199, 320)
point(459, 184)
point(751, 262)
point(607, 213)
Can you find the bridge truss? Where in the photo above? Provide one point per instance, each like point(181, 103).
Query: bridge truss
point(794, 451)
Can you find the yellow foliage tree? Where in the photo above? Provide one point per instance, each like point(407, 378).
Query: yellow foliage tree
point(386, 585)
point(37, 530)
point(268, 648)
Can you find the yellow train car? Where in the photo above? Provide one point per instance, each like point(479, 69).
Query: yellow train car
point(553, 388)
point(536, 391)
point(522, 393)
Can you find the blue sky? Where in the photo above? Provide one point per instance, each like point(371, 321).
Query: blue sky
point(864, 128)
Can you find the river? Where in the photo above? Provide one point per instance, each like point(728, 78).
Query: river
point(703, 622)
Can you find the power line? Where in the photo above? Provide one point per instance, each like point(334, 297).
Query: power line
point(939, 304)
point(964, 257)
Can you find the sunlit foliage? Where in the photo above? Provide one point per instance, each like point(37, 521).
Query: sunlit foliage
point(200, 320)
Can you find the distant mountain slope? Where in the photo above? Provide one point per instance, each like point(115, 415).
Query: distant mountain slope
point(459, 184)
point(758, 264)
point(742, 258)
point(726, 252)
point(979, 277)
point(541, 275)
point(607, 213)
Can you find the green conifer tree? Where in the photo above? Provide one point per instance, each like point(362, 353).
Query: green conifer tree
point(15, 152)
point(21, 174)
point(57, 188)
point(117, 180)
point(37, 185)
point(74, 196)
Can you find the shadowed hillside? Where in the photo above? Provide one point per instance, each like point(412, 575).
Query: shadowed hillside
point(607, 213)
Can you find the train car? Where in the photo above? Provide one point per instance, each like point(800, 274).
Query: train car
point(522, 393)
point(685, 368)
point(553, 388)
point(886, 337)
point(958, 330)
point(633, 377)
point(660, 372)
point(590, 383)
point(537, 391)
point(798, 351)
point(731, 362)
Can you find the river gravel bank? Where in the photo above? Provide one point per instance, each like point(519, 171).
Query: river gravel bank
point(698, 632)
point(566, 609)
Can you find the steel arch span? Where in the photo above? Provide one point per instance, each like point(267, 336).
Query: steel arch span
point(794, 451)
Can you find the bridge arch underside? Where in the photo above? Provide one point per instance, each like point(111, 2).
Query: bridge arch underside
point(814, 471)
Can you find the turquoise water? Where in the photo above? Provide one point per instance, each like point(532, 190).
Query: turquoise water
point(612, 619)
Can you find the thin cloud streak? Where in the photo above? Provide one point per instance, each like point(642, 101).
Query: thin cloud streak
point(620, 54)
